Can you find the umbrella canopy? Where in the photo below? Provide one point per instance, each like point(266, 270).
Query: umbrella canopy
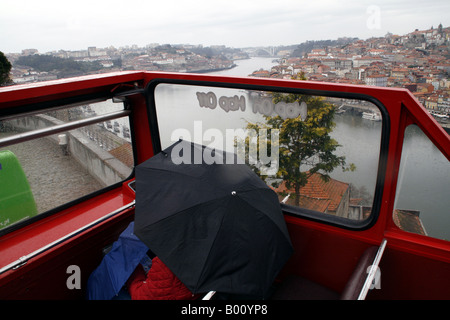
point(216, 226)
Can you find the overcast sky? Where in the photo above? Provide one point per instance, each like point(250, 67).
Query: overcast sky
point(49, 25)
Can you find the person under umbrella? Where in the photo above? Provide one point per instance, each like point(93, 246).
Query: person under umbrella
point(216, 226)
point(131, 271)
point(107, 280)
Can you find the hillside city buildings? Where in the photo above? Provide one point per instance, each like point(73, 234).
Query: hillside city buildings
point(418, 61)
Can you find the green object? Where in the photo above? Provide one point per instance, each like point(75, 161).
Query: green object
point(16, 199)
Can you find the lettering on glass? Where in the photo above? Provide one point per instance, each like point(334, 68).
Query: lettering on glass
point(207, 100)
point(263, 106)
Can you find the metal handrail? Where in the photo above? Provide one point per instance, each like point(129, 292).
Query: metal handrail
point(26, 136)
point(372, 271)
point(209, 295)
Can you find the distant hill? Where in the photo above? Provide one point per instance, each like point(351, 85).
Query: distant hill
point(306, 47)
point(64, 67)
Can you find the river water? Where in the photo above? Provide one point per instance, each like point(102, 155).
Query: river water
point(424, 181)
point(245, 67)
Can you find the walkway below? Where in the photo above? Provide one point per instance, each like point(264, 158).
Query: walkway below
point(54, 178)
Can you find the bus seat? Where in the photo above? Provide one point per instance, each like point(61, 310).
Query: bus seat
point(16, 199)
point(298, 288)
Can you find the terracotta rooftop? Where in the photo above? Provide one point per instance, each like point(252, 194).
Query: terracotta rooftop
point(318, 194)
point(408, 220)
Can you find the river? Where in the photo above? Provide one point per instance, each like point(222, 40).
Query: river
point(247, 66)
point(424, 180)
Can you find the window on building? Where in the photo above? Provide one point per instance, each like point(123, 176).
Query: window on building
point(45, 171)
point(422, 200)
point(318, 153)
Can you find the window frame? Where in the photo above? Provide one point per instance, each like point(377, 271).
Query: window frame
point(307, 214)
point(60, 104)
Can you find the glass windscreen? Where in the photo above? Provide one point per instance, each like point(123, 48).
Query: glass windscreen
point(42, 173)
point(422, 202)
point(317, 153)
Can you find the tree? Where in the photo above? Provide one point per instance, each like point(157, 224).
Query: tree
point(305, 146)
point(5, 68)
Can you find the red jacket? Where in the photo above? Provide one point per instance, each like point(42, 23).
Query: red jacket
point(159, 284)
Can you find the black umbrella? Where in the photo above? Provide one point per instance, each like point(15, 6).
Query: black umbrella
point(217, 227)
